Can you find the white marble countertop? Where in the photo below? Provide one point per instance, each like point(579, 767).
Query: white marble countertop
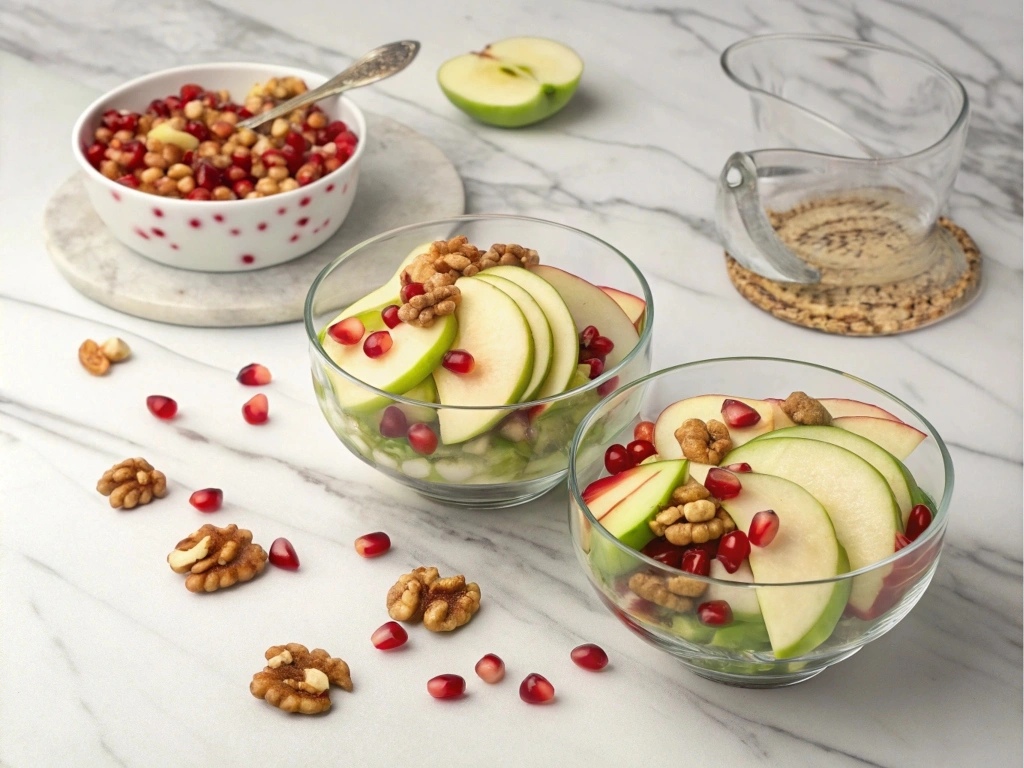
point(105, 659)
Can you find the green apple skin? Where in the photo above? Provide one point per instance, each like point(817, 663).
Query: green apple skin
point(549, 101)
point(742, 636)
point(688, 626)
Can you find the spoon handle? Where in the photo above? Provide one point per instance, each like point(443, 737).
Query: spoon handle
point(376, 65)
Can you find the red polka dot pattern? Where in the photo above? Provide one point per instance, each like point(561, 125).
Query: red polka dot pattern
point(248, 258)
point(158, 213)
point(157, 231)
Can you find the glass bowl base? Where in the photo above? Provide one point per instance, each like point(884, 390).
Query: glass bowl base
point(496, 496)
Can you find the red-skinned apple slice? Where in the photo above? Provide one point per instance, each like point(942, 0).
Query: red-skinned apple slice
point(896, 437)
point(706, 407)
point(634, 307)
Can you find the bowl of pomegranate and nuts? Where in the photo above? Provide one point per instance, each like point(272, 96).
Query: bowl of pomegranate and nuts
point(758, 533)
point(173, 177)
point(458, 356)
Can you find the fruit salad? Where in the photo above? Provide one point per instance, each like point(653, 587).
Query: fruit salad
point(473, 366)
point(790, 492)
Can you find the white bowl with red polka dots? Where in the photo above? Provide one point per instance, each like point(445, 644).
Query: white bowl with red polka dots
point(220, 236)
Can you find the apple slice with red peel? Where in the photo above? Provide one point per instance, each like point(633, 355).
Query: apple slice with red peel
point(634, 307)
point(626, 502)
point(705, 408)
point(838, 407)
point(898, 438)
point(781, 419)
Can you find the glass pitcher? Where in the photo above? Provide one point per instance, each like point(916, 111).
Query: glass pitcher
point(862, 144)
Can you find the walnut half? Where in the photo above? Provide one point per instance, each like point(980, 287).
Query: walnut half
point(132, 482)
point(703, 443)
point(298, 680)
point(803, 409)
point(442, 604)
point(215, 558)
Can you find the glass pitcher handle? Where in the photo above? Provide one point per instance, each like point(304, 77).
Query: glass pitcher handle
point(746, 231)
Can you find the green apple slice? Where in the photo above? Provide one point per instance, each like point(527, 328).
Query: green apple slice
point(798, 618)
point(387, 293)
point(513, 82)
point(590, 305)
point(854, 493)
point(742, 601)
point(415, 352)
point(625, 506)
point(425, 392)
point(877, 457)
point(543, 341)
point(896, 437)
point(494, 331)
point(565, 341)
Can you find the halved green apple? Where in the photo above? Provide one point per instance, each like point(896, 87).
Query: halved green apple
point(387, 293)
point(634, 307)
point(513, 82)
point(898, 438)
point(494, 331)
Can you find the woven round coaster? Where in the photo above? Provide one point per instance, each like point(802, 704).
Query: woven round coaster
point(869, 310)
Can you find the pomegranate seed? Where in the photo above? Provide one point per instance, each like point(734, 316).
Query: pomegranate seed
point(410, 290)
point(596, 367)
point(644, 431)
point(422, 439)
point(293, 159)
point(608, 387)
point(589, 656)
point(173, 103)
point(197, 129)
point(282, 554)
point(602, 345)
point(458, 361)
point(133, 155)
point(535, 689)
point(161, 407)
point(111, 119)
point(242, 161)
point(295, 140)
point(490, 669)
point(920, 518)
point(737, 414)
point(640, 450)
point(617, 459)
point(587, 335)
point(207, 500)
point(664, 552)
point(697, 561)
point(390, 315)
point(190, 92)
point(242, 187)
point(377, 343)
point(256, 410)
point(733, 549)
point(763, 528)
point(586, 355)
point(389, 636)
point(199, 193)
point(714, 613)
point(207, 177)
point(742, 467)
point(901, 542)
point(95, 154)
point(334, 128)
point(446, 686)
point(129, 122)
point(348, 331)
point(159, 108)
point(129, 181)
point(722, 484)
point(254, 375)
point(373, 544)
point(393, 423)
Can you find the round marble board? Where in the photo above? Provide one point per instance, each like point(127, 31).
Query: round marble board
point(404, 179)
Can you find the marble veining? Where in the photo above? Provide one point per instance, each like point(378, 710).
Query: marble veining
point(107, 660)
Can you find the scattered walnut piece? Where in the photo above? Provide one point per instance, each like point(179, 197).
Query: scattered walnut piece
point(703, 443)
point(442, 604)
point(92, 358)
point(805, 410)
point(653, 588)
point(682, 534)
point(216, 558)
point(298, 680)
point(132, 482)
point(115, 349)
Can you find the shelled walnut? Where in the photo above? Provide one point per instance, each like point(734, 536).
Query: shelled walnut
point(132, 482)
point(705, 443)
point(442, 604)
point(216, 558)
point(298, 680)
point(682, 534)
point(805, 410)
point(654, 589)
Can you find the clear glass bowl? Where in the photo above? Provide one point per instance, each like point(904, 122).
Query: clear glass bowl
point(488, 471)
point(743, 656)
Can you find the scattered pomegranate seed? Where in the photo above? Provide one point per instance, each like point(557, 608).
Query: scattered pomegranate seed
point(491, 669)
point(640, 450)
point(389, 636)
point(589, 656)
point(282, 554)
point(458, 361)
point(739, 414)
point(617, 459)
point(733, 549)
point(920, 518)
point(393, 422)
point(608, 387)
point(373, 544)
point(390, 315)
point(596, 367)
point(377, 343)
point(535, 689)
point(742, 467)
point(664, 552)
point(446, 686)
point(161, 407)
point(901, 542)
point(644, 431)
point(602, 346)
point(348, 331)
point(696, 561)
point(722, 484)
point(254, 375)
point(410, 290)
point(714, 613)
point(422, 439)
point(763, 528)
point(207, 500)
point(256, 410)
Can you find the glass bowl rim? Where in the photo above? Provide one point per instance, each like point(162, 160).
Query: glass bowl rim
point(642, 342)
point(934, 530)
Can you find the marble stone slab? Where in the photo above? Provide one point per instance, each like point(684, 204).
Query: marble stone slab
point(404, 179)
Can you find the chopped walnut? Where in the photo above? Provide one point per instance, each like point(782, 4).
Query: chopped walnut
point(704, 443)
point(442, 604)
point(132, 482)
point(684, 586)
point(436, 302)
point(216, 558)
point(511, 255)
point(653, 588)
point(692, 491)
point(92, 358)
point(682, 534)
point(805, 410)
point(298, 680)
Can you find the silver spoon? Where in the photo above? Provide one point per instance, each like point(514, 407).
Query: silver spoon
point(376, 65)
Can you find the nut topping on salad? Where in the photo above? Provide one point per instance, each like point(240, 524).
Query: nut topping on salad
point(705, 443)
point(682, 534)
point(805, 410)
point(653, 588)
point(442, 604)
